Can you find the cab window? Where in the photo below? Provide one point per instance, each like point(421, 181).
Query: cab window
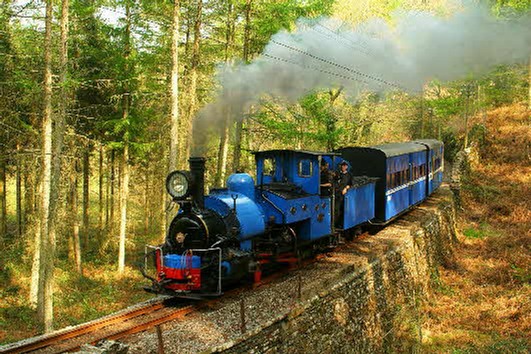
point(269, 167)
point(305, 168)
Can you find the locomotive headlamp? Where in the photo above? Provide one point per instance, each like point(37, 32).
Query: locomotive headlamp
point(178, 184)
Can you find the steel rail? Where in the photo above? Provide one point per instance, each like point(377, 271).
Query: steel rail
point(125, 331)
point(46, 340)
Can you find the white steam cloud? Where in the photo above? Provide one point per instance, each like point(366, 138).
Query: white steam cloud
point(376, 56)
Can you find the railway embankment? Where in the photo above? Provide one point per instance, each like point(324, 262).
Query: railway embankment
point(362, 297)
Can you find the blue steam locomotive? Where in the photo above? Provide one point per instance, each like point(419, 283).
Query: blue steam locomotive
point(240, 232)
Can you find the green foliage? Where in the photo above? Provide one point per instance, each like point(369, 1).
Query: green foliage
point(442, 288)
point(498, 346)
point(269, 17)
point(484, 192)
point(508, 8)
point(452, 144)
point(23, 316)
point(505, 85)
point(482, 231)
point(523, 275)
point(319, 107)
point(478, 134)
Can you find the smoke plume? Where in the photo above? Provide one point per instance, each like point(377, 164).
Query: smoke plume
point(403, 54)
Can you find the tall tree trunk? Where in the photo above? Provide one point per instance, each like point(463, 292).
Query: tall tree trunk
point(152, 202)
point(100, 191)
point(187, 33)
point(421, 114)
point(193, 83)
point(35, 299)
point(45, 294)
point(146, 201)
point(165, 215)
point(223, 150)
point(6, 96)
point(111, 197)
point(58, 137)
point(481, 106)
point(20, 228)
point(529, 105)
point(126, 103)
point(75, 221)
point(124, 195)
point(107, 192)
point(28, 193)
point(174, 89)
point(466, 114)
point(3, 198)
point(36, 190)
point(246, 51)
point(29, 188)
point(86, 197)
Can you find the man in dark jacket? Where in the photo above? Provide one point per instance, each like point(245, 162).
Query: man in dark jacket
point(343, 184)
point(326, 180)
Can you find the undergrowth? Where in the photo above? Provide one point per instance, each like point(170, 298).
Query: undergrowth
point(99, 291)
point(481, 305)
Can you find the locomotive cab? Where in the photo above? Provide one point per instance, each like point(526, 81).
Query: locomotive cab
point(288, 188)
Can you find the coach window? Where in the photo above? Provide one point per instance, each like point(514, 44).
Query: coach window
point(305, 168)
point(397, 179)
point(437, 162)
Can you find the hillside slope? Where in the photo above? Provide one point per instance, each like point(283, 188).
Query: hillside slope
point(482, 304)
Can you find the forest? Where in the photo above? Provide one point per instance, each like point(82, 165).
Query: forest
point(100, 100)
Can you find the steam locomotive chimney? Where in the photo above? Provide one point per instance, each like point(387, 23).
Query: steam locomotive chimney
point(197, 167)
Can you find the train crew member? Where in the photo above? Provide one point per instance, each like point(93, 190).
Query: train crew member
point(343, 183)
point(326, 179)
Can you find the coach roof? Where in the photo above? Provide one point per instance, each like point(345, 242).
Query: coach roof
point(431, 143)
point(396, 149)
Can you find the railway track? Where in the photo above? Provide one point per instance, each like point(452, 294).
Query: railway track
point(138, 319)
point(134, 320)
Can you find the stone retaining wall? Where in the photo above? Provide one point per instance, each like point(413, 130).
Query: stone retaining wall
point(371, 305)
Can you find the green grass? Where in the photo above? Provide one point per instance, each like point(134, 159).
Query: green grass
point(481, 192)
point(480, 232)
point(499, 346)
point(521, 274)
point(77, 299)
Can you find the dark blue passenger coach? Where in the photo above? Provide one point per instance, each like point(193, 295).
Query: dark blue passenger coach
point(249, 228)
point(407, 173)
